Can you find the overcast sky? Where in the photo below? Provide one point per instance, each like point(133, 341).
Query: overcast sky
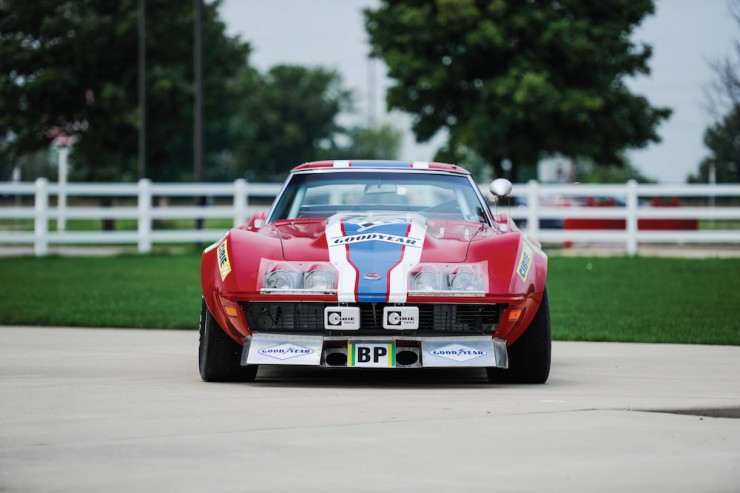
point(684, 34)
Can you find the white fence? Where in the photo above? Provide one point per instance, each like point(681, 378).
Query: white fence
point(542, 202)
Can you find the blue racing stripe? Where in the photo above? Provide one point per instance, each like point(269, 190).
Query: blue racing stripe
point(380, 164)
point(375, 257)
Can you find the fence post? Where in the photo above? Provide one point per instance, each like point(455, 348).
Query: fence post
point(631, 218)
point(240, 202)
point(62, 195)
point(533, 205)
point(145, 216)
point(41, 220)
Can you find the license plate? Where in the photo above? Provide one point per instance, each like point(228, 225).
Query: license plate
point(371, 354)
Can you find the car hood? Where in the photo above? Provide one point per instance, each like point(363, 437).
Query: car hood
point(370, 241)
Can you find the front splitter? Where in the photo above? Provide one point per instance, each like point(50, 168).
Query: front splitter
point(408, 351)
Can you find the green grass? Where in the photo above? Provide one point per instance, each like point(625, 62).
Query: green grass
point(642, 299)
point(128, 291)
point(662, 300)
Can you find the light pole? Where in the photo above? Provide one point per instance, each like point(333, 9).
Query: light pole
point(198, 91)
point(142, 89)
point(198, 103)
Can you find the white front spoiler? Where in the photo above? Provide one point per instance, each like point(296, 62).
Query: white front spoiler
point(408, 352)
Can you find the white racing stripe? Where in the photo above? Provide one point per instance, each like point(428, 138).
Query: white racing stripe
point(399, 287)
point(339, 258)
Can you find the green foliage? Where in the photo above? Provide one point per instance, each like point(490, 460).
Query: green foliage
point(721, 138)
point(519, 81)
point(374, 142)
point(71, 67)
point(56, 74)
point(468, 159)
point(588, 172)
point(288, 117)
point(723, 141)
point(76, 72)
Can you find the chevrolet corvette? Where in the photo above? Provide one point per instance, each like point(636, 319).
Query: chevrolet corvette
point(377, 264)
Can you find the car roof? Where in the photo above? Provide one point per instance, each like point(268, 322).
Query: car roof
point(370, 164)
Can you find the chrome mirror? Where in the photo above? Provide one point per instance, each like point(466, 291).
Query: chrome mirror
point(501, 187)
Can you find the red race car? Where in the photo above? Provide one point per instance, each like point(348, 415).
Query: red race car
point(377, 264)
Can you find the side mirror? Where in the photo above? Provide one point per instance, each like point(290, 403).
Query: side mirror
point(257, 221)
point(501, 187)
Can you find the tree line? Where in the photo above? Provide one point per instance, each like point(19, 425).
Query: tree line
point(68, 69)
point(507, 82)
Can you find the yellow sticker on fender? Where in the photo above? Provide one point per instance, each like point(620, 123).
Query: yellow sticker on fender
point(525, 262)
point(223, 261)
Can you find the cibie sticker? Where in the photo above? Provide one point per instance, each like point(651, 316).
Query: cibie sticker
point(525, 262)
point(224, 266)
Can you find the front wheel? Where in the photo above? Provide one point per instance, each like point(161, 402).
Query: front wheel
point(529, 356)
point(219, 357)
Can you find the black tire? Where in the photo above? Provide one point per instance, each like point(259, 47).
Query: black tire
point(218, 355)
point(529, 356)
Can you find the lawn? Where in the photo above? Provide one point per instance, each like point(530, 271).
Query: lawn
point(664, 300)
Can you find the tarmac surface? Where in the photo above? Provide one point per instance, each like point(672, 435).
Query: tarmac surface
point(125, 410)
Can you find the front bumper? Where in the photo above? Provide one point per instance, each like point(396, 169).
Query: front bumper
point(375, 351)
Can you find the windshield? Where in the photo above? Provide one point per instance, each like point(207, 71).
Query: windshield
point(436, 196)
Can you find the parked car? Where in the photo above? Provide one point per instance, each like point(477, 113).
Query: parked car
point(376, 264)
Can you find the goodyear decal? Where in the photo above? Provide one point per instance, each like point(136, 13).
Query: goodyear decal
point(525, 262)
point(388, 238)
point(458, 352)
point(285, 351)
point(373, 264)
point(224, 266)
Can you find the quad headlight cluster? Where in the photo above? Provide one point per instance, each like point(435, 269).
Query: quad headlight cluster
point(287, 277)
point(448, 279)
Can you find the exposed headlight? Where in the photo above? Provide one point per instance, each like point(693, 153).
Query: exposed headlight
point(425, 281)
point(319, 280)
point(280, 279)
point(464, 281)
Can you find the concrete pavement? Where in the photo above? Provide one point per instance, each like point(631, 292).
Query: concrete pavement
point(125, 410)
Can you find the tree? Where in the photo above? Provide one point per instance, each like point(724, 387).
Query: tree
point(723, 141)
point(722, 138)
point(374, 142)
point(71, 66)
point(288, 116)
point(517, 81)
point(588, 172)
point(723, 94)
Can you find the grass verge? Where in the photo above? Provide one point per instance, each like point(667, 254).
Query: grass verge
point(161, 291)
point(664, 300)
point(642, 299)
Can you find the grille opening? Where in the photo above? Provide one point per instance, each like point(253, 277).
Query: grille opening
point(435, 318)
